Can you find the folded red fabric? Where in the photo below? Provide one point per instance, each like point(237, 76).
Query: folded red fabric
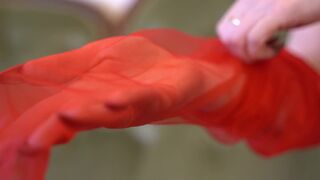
point(144, 78)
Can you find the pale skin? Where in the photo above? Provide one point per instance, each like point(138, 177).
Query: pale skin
point(305, 42)
point(138, 90)
point(261, 20)
point(301, 42)
point(120, 92)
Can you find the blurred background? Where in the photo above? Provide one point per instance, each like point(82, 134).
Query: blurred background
point(35, 28)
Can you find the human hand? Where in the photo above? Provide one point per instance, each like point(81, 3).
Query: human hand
point(143, 78)
point(248, 26)
point(121, 92)
point(304, 42)
point(114, 83)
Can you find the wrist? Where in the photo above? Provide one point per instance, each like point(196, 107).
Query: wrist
point(305, 42)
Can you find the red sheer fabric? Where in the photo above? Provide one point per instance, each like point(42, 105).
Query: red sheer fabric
point(144, 78)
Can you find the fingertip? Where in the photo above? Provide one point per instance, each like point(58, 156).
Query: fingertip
point(234, 38)
point(118, 98)
point(97, 115)
point(54, 131)
point(85, 117)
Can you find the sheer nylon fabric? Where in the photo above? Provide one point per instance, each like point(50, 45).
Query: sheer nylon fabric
point(126, 81)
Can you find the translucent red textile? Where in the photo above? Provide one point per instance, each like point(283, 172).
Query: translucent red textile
point(145, 78)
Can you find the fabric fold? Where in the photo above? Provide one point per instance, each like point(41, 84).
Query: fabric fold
point(145, 78)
